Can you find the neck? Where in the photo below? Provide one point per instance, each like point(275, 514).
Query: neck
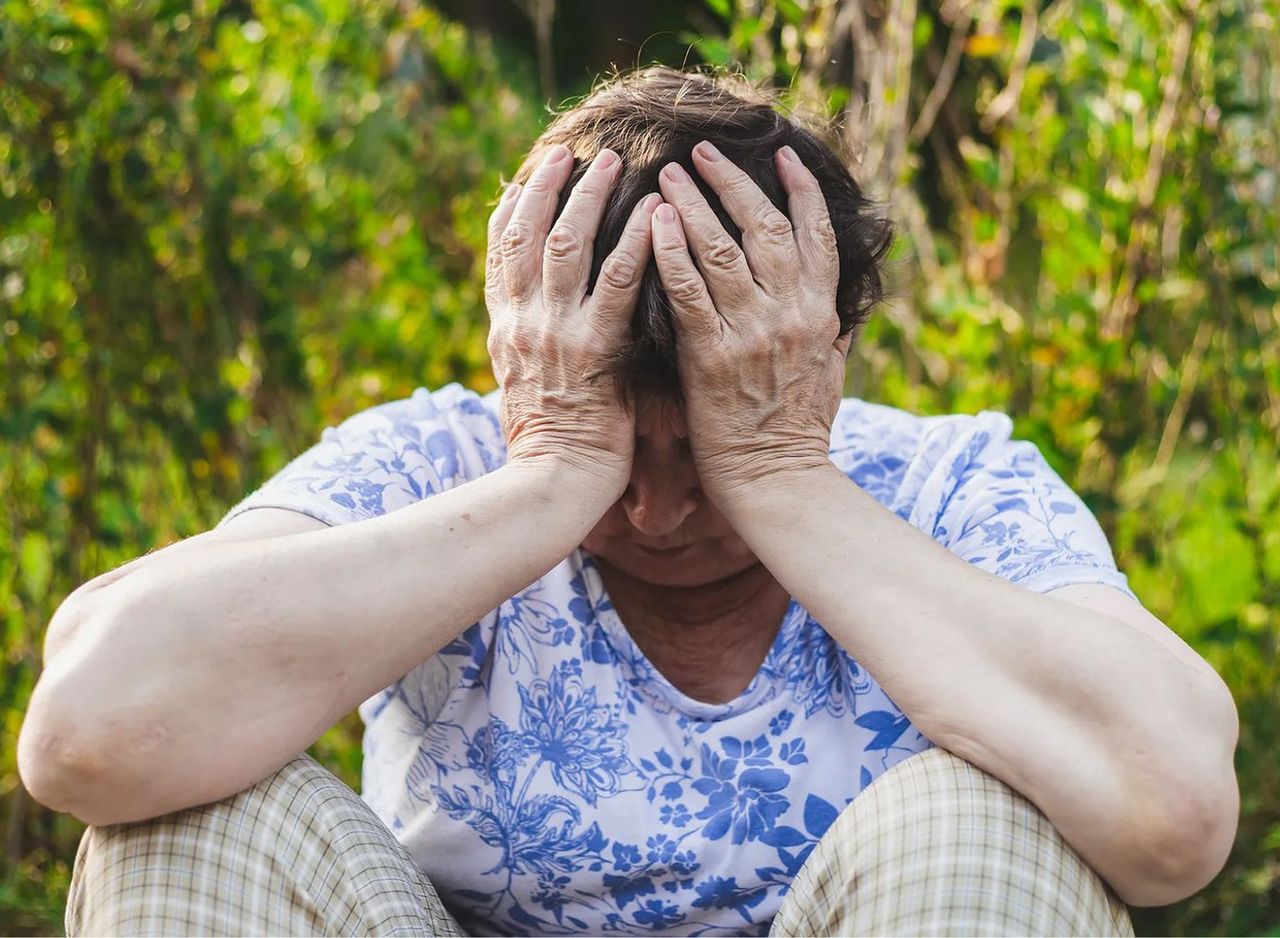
point(708, 640)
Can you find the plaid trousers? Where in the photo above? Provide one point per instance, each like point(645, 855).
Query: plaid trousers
point(935, 846)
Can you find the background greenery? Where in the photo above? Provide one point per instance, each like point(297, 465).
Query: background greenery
point(226, 225)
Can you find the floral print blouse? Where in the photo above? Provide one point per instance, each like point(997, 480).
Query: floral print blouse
point(549, 780)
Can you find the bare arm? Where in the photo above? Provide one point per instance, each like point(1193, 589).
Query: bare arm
point(190, 674)
point(1093, 709)
point(200, 673)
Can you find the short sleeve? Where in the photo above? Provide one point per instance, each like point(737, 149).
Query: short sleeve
point(1004, 509)
point(386, 457)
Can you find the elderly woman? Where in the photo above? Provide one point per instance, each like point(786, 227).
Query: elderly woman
point(662, 636)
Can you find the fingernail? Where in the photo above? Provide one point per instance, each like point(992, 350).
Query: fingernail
point(650, 202)
point(675, 173)
point(707, 150)
point(510, 192)
point(665, 214)
point(606, 158)
point(558, 152)
point(789, 154)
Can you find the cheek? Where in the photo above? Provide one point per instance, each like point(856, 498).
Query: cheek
point(605, 528)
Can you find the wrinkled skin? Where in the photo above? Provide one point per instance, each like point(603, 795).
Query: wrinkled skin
point(760, 359)
point(546, 332)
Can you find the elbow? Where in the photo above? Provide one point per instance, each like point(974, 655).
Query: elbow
point(63, 759)
point(1192, 852)
point(69, 771)
point(1189, 836)
point(56, 768)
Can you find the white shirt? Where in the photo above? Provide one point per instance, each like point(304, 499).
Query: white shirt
point(549, 780)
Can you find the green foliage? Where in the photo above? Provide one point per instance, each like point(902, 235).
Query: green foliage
point(222, 227)
point(225, 225)
point(1090, 236)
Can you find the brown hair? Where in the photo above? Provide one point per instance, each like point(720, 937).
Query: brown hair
point(656, 115)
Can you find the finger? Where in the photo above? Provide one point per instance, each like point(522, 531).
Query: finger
point(766, 232)
point(618, 284)
point(810, 217)
point(495, 290)
point(723, 264)
point(525, 236)
point(695, 313)
point(566, 262)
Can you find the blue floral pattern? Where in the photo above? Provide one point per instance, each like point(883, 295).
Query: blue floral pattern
point(550, 780)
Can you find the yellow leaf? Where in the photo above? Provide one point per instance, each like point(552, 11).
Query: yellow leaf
point(71, 485)
point(983, 47)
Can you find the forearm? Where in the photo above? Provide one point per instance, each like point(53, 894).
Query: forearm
point(1102, 727)
point(197, 675)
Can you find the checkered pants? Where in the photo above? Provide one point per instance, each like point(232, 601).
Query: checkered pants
point(935, 846)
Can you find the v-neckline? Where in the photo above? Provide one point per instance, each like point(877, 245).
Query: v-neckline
point(650, 680)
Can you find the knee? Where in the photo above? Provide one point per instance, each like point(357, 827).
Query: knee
point(938, 845)
point(200, 854)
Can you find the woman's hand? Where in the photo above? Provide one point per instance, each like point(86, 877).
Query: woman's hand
point(547, 334)
point(761, 364)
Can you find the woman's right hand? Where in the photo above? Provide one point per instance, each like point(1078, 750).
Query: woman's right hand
point(547, 334)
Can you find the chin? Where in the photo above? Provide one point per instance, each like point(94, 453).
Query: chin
point(700, 565)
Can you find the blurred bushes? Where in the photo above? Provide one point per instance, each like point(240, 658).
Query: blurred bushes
point(221, 229)
point(1087, 192)
point(224, 226)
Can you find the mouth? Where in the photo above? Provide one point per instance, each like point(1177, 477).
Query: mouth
point(667, 552)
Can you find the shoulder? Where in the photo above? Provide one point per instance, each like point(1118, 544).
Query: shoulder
point(387, 456)
point(452, 407)
point(970, 484)
point(452, 427)
point(896, 455)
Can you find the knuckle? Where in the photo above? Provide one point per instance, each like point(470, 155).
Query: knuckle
point(563, 243)
point(592, 188)
point(516, 238)
point(775, 226)
point(497, 342)
point(823, 233)
point(723, 252)
point(620, 272)
point(741, 185)
point(543, 178)
point(543, 183)
point(685, 289)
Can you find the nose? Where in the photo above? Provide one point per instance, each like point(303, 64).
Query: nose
point(662, 493)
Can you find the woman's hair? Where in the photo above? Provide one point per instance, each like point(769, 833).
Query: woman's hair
point(653, 116)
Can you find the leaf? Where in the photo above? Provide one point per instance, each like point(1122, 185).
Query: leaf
point(818, 815)
point(1218, 566)
point(36, 562)
point(876, 719)
point(983, 46)
point(783, 837)
point(764, 779)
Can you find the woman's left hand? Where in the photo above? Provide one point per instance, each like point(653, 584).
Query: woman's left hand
point(761, 367)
